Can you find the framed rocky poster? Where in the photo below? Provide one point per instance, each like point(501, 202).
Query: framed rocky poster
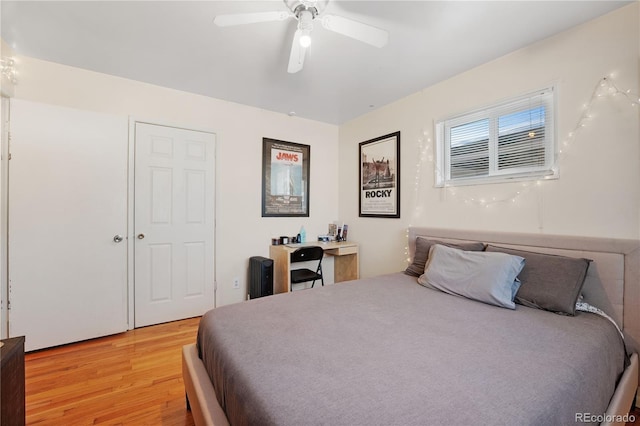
point(285, 178)
point(379, 185)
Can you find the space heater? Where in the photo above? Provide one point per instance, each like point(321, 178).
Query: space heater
point(260, 277)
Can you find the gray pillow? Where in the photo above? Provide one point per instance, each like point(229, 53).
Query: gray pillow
point(549, 282)
point(422, 253)
point(485, 277)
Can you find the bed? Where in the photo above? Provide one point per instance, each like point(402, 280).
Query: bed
point(387, 350)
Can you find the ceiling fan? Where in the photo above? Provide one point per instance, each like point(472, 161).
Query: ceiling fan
point(306, 12)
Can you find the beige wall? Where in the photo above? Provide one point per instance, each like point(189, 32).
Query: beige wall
point(241, 232)
point(599, 187)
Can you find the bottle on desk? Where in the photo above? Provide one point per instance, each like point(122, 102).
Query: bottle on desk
point(302, 236)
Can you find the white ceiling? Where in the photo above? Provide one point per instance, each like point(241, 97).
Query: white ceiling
point(175, 44)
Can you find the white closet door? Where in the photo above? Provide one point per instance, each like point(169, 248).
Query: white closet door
point(67, 202)
point(174, 223)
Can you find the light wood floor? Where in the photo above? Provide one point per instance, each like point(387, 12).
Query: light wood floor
point(132, 378)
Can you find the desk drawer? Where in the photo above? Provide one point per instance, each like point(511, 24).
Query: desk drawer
point(341, 251)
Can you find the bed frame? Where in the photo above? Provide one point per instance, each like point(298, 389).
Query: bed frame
point(615, 288)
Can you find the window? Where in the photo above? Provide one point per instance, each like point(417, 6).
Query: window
point(511, 140)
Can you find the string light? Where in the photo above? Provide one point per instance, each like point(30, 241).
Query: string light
point(8, 69)
point(424, 144)
point(524, 189)
point(605, 87)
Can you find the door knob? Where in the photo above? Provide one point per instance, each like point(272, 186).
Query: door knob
point(141, 236)
point(118, 238)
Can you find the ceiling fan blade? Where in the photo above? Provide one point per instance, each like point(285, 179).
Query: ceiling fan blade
point(357, 30)
point(250, 18)
point(296, 58)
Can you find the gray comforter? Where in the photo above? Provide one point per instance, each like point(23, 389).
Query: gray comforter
point(387, 351)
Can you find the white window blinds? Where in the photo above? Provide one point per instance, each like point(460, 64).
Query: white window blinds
point(505, 141)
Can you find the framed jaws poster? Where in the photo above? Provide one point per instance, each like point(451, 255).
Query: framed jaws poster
point(379, 185)
point(285, 179)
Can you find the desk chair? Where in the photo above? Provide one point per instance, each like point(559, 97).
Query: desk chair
point(304, 254)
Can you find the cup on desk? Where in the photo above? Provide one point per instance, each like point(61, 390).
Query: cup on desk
point(284, 240)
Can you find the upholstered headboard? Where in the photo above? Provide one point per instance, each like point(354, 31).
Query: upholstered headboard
point(613, 279)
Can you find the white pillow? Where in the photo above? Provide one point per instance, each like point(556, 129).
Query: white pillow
point(488, 277)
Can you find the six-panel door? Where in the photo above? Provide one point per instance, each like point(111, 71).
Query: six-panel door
point(174, 223)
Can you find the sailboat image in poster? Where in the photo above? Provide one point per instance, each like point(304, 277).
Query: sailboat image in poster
point(286, 173)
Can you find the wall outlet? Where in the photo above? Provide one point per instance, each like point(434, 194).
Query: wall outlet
point(236, 282)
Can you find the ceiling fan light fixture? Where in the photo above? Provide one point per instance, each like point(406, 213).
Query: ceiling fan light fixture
point(306, 12)
point(305, 25)
point(305, 39)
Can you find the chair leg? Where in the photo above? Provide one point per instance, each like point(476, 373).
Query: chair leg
point(314, 283)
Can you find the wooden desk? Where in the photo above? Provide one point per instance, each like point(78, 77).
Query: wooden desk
point(346, 265)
